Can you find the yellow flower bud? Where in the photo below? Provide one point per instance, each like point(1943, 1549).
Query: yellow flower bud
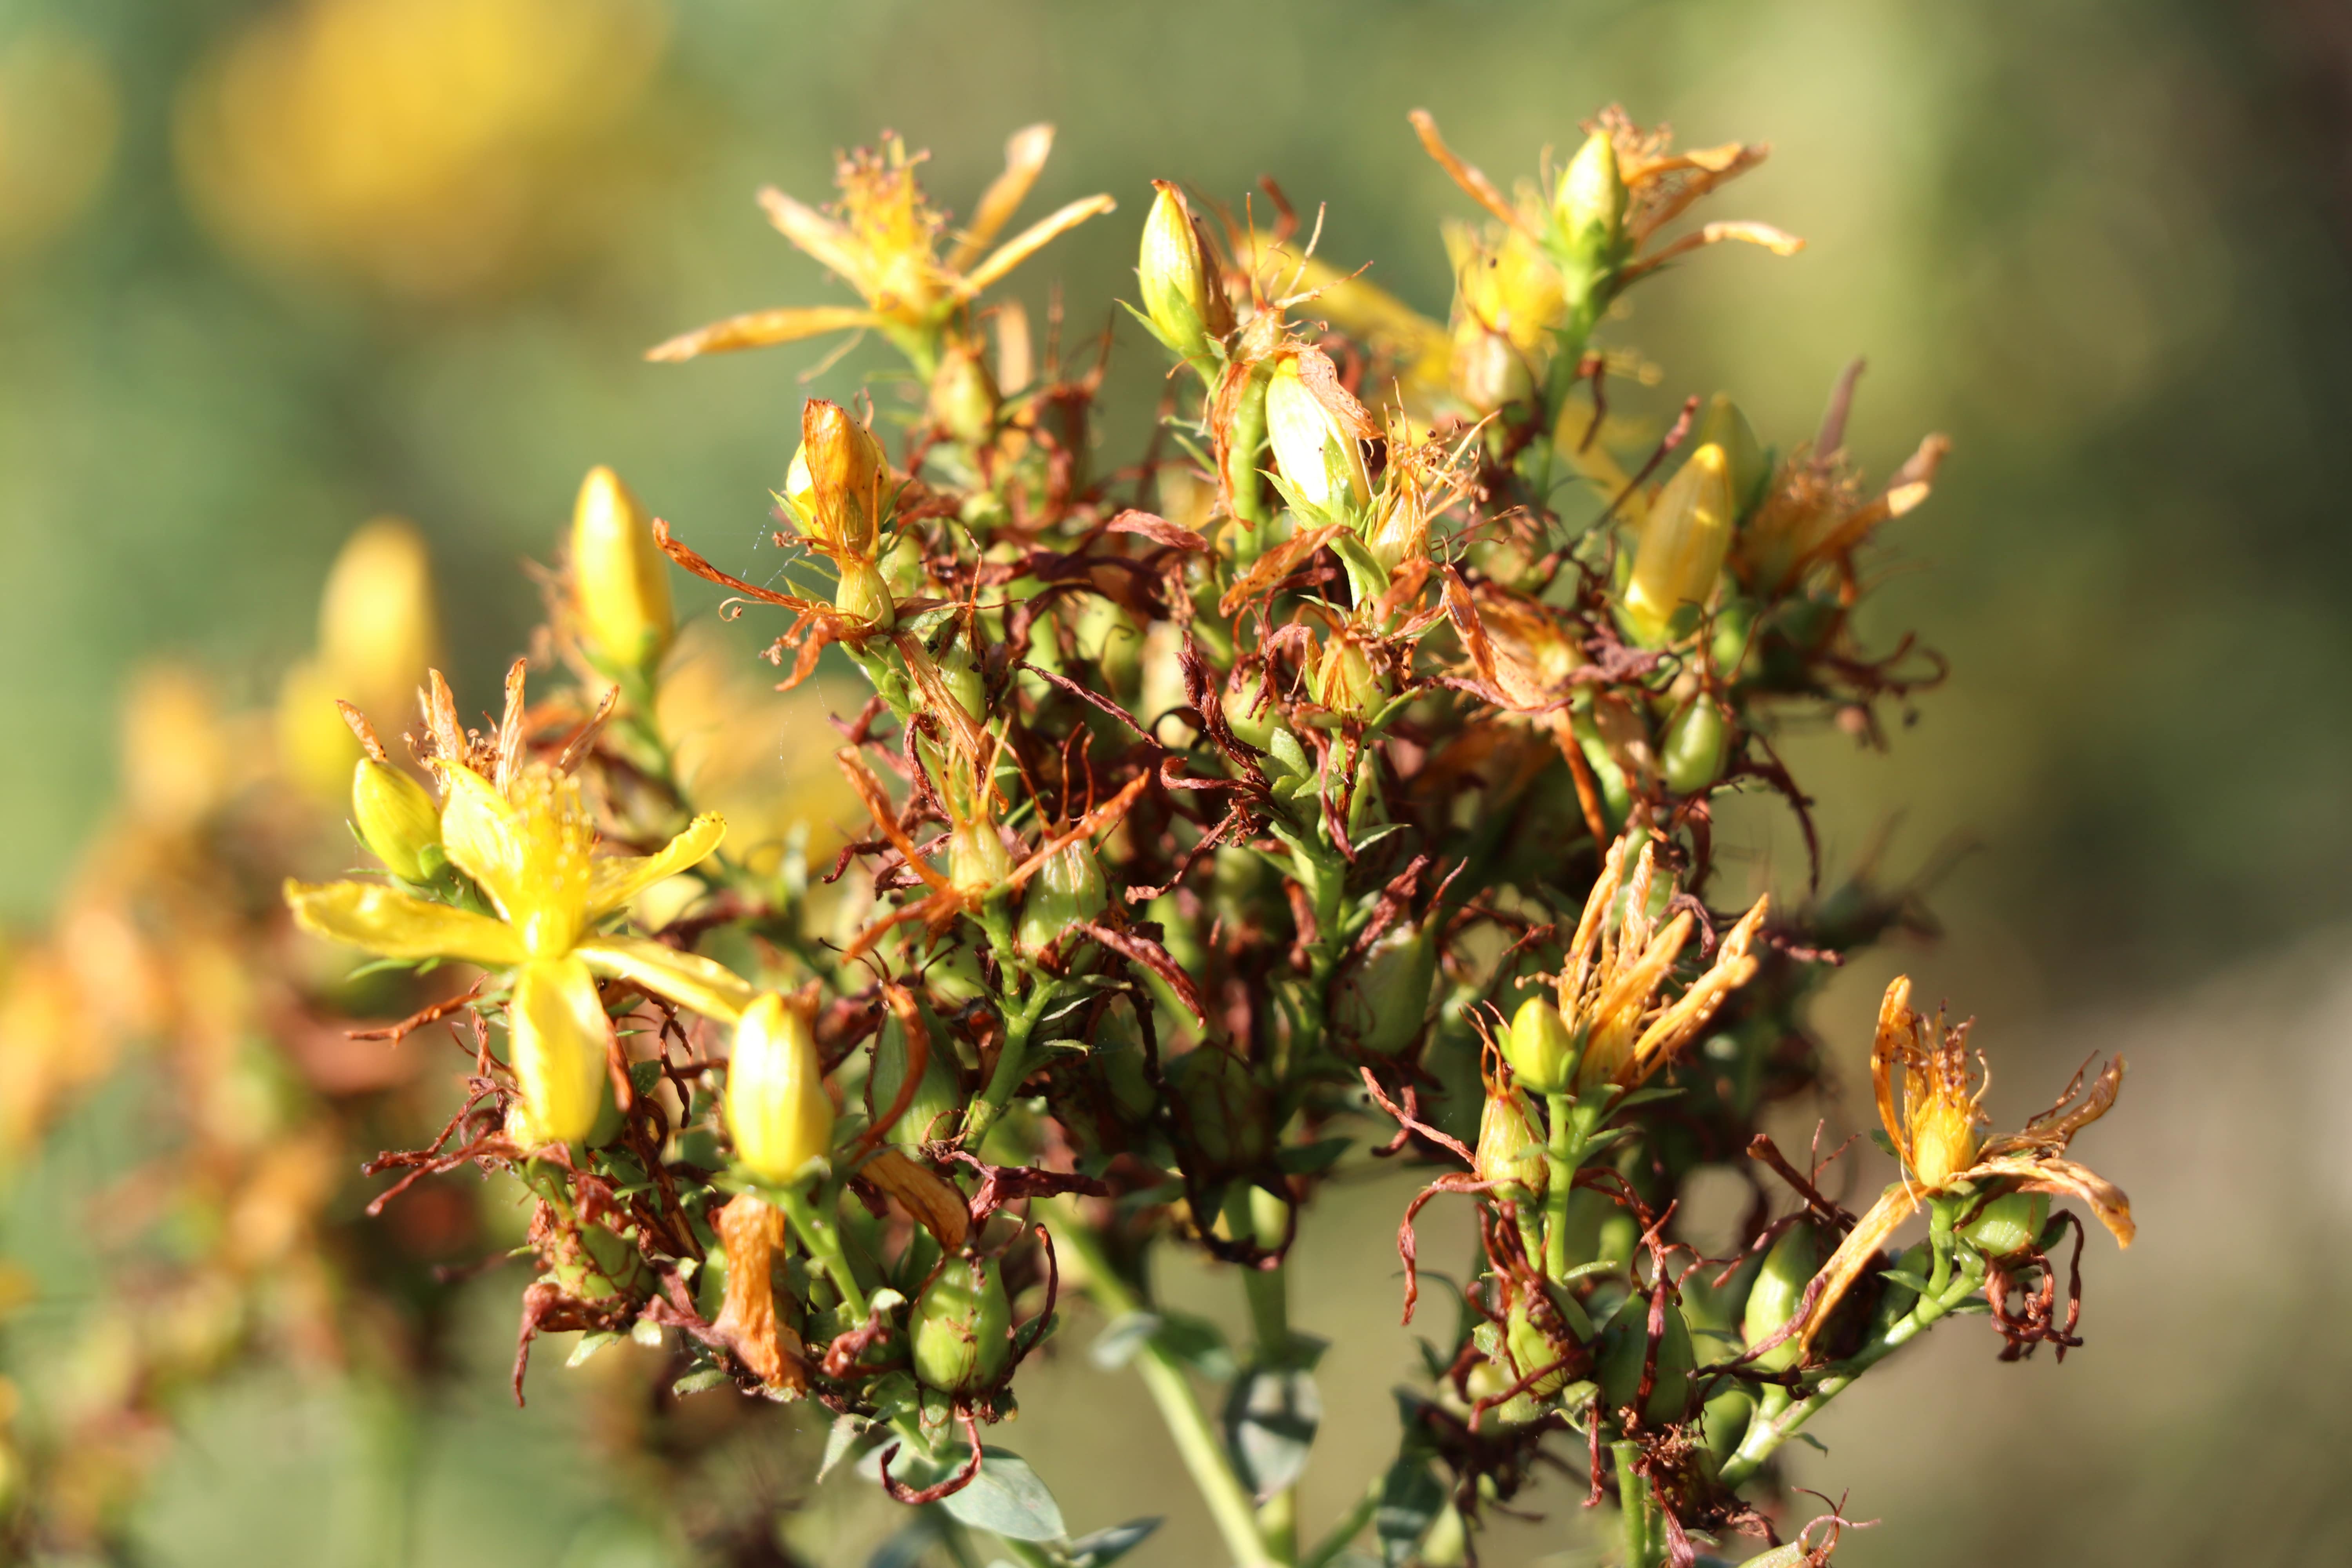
point(620, 580)
point(1681, 546)
point(559, 1032)
point(840, 481)
point(1182, 297)
point(1314, 426)
point(377, 630)
point(315, 747)
point(1510, 1148)
point(396, 818)
point(777, 1107)
point(1540, 1047)
point(1346, 682)
point(1727, 427)
point(1589, 209)
point(964, 399)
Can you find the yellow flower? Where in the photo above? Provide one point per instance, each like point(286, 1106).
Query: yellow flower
point(883, 241)
point(1932, 1122)
point(777, 1107)
point(532, 851)
point(1614, 970)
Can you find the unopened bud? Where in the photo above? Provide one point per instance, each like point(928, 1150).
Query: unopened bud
point(620, 580)
point(1345, 681)
point(1773, 1300)
point(963, 394)
point(964, 1327)
point(1067, 892)
point(1682, 547)
point(1510, 1147)
point(1691, 756)
point(977, 860)
point(1541, 1051)
point(863, 596)
point(377, 630)
point(1727, 427)
point(1589, 209)
point(1315, 428)
point(1182, 296)
point(1625, 1351)
point(2010, 1223)
point(1382, 998)
point(397, 819)
point(840, 483)
point(777, 1106)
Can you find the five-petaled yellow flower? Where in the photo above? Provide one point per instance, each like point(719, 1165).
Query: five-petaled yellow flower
point(531, 849)
point(1932, 1122)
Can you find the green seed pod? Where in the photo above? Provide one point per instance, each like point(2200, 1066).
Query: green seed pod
point(964, 1327)
point(2009, 1223)
point(1694, 747)
point(1346, 682)
point(1510, 1146)
point(1382, 1000)
point(937, 1110)
point(1789, 1267)
point(863, 596)
point(1723, 1421)
point(1223, 1108)
point(1625, 1345)
point(964, 400)
point(396, 818)
point(1543, 1052)
point(1116, 1052)
point(1067, 892)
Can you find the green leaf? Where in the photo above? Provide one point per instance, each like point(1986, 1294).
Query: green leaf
point(1121, 1339)
point(1904, 1277)
point(1100, 1548)
point(1271, 1416)
point(701, 1382)
point(1411, 1500)
point(588, 1346)
point(907, 1548)
point(1007, 1499)
point(1367, 578)
point(1287, 751)
point(1310, 1159)
point(846, 1430)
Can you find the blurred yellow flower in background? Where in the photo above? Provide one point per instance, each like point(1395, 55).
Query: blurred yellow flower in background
point(378, 634)
point(431, 147)
point(59, 116)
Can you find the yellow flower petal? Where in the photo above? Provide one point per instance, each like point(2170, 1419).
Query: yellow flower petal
point(531, 855)
point(758, 328)
point(560, 1032)
point(400, 925)
point(687, 979)
point(612, 883)
point(1031, 240)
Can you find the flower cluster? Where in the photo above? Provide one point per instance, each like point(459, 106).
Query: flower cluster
point(1332, 784)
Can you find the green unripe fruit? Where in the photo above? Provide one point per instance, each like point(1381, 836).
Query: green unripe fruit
point(1532, 1350)
point(2009, 1223)
point(1540, 1049)
point(964, 400)
point(1789, 1267)
point(1511, 1145)
point(1381, 999)
point(1118, 1056)
point(1625, 1345)
point(1067, 892)
point(1727, 427)
point(396, 818)
point(1224, 1109)
point(1723, 1421)
point(937, 1108)
point(1692, 754)
point(964, 1327)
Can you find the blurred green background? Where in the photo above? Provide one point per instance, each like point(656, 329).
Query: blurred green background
point(261, 278)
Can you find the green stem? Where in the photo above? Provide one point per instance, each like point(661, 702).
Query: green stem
point(1012, 1062)
point(1632, 1505)
point(1344, 1529)
point(822, 1239)
point(1563, 1152)
point(1197, 1443)
point(1255, 1213)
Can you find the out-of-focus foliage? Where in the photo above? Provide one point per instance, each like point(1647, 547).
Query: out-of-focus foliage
point(2099, 243)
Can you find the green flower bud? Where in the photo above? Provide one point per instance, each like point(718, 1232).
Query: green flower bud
point(1541, 1049)
point(2010, 1223)
point(1382, 998)
point(1182, 297)
point(1725, 427)
point(397, 819)
point(1250, 711)
point(1067, 892)
point(861, 595)
point(937, 1109)
point(964, 399)
point(620, 579)
point(1691, 756)
point(1532, 1350)
point(1223, 1108)
point(777, 1106)
point(1681, 546)
point(964, 1327)
point(1625, 1345)
point(1589, 209)
point(1510, 1145)
point(1789, 1267)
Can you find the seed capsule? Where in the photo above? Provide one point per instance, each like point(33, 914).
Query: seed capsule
point(396, 818)
point(620, 579)
point(1541, 1051)
point(1382, 998)
point(964, 1327)
point(1789, 1267)
point(1691, 756)
point(1346, 682)
point(1223, 1108)
point(2009, 1223)
point(1067, 891)
point(1624, 1347)
point(777, 1107)
point(964, 400)
point(938, 1104)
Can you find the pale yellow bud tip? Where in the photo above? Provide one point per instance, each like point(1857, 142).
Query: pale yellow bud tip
point(620, 580)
